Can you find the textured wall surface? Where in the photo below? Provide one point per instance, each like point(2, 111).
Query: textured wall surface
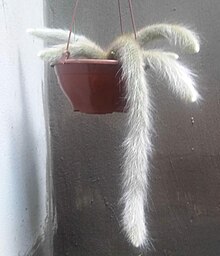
point(185, 178)
point(23, 146)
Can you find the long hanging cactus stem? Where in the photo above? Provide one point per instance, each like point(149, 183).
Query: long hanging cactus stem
point(137, 142)
point(133, 55)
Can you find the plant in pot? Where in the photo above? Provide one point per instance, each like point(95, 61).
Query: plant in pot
point(128, 88)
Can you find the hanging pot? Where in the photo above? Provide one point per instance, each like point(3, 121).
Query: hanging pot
point(92, 86)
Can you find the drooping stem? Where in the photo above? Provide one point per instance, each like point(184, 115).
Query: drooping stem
point(137, 146)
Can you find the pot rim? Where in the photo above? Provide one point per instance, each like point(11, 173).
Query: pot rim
point(88, 61)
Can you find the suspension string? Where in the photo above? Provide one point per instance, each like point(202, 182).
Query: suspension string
point(132, 18)
point(71, 28)
point(121, 24)
point(120, 16)
point(74, 31)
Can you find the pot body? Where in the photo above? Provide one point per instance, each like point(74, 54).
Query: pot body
point(92, 86)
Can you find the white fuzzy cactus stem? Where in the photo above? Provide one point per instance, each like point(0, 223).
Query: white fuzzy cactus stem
point(137, 146)
point(178, 35)
point(180, 79)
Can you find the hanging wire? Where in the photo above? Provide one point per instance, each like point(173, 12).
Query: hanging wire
point(132, 18)
point(121, 24)
point(74, 31)
point(120, 16)
point(71, 27)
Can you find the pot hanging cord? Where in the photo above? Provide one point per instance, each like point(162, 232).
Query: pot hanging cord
point(120, 16)
point(71, 28)
point(132, 18)
point(121, 25)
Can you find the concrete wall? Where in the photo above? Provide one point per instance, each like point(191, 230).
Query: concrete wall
point(23, 154)
point(185, 191)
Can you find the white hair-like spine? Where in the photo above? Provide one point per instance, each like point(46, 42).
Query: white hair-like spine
point(80, 46)
point(176, 35)
point(180, 78)
point(84, 49)
point(54, 35)
point(137, 146)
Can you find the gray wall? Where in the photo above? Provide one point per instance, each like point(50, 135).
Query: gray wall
point(185, 179)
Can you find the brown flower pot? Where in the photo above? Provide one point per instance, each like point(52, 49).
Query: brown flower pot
point(92, 86)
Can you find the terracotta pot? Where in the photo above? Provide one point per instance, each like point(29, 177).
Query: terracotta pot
point(92, 86)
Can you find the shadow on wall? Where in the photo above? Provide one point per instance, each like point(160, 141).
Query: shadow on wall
point(87, 184)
